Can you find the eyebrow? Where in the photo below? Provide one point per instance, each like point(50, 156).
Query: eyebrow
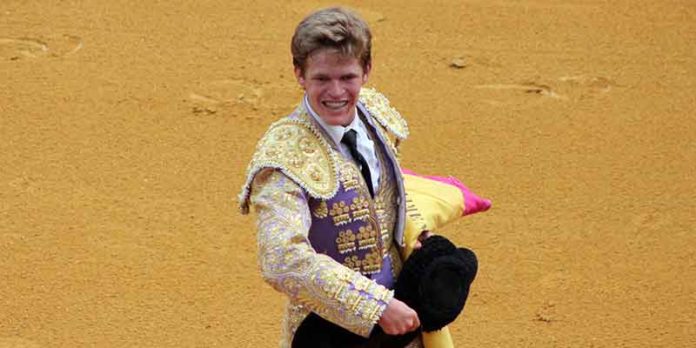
point(350, 74)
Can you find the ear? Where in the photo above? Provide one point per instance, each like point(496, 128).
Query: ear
point(366, 73)
point(299, 75)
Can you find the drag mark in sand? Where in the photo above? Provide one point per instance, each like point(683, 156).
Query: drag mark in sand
point(571, 88)
point(27, 47)
point(529, 87)
point(14, 49)
point(517, 95)
point(594, 83)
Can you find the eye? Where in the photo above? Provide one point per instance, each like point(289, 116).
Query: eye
point(321, 78)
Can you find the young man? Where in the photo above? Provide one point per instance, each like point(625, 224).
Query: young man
point(328, 190)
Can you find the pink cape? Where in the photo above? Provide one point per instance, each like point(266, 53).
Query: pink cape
point(472, 202)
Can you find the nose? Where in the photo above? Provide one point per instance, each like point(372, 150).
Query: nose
point(335, 89)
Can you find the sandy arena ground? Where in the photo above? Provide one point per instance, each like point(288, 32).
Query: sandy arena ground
point(126, 126)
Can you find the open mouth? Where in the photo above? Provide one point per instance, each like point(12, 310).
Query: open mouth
point(334, 105)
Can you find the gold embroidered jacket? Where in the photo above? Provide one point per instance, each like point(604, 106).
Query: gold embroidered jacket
point(294, 165)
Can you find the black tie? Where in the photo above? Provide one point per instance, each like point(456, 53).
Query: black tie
point(350, 139)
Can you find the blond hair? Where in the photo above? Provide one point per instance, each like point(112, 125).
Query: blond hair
point(334, 28)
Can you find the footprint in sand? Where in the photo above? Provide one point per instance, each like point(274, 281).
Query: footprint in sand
point(221, 94)
point(546, 313)
point(651, 221)
point(253, 97)
point(52, 46)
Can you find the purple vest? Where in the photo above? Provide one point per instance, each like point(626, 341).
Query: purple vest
point(353, 228)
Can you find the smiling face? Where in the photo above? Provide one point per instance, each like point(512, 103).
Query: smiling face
point(332, 82)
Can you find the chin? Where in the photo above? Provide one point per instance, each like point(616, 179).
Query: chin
point(334, 121)
point(337, 120)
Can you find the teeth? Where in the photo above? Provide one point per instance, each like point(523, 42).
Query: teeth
point(335, 105)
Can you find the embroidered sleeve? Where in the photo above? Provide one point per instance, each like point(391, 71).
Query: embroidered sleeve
point(290, 265)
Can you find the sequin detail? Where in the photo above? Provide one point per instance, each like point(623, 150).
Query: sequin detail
point(378, 106)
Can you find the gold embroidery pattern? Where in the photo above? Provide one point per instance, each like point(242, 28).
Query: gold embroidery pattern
point(294, 315)
point(340, 213)
point(349, 178)
point(397, 263)
point(371, 264)
point(295, 147)
point(353, 262)
point(367, 237)
point(360, 208)
point(385, 201)
point(391, 144)
point(378, 106)
point(382, 217)
point(321, 211)
point(373, 261)
point(345, 241)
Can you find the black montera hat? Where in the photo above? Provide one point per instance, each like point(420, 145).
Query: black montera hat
point(435, 281)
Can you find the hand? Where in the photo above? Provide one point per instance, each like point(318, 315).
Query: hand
point(423, 236)
point(398, 318)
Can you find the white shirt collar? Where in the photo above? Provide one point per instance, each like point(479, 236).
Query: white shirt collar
point(366, 146)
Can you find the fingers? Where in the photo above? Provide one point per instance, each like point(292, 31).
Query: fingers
point(409, 326)
point(398, 318)
point(404, 329)
point(410, 323)
point(423, 236)
point(416, 322)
